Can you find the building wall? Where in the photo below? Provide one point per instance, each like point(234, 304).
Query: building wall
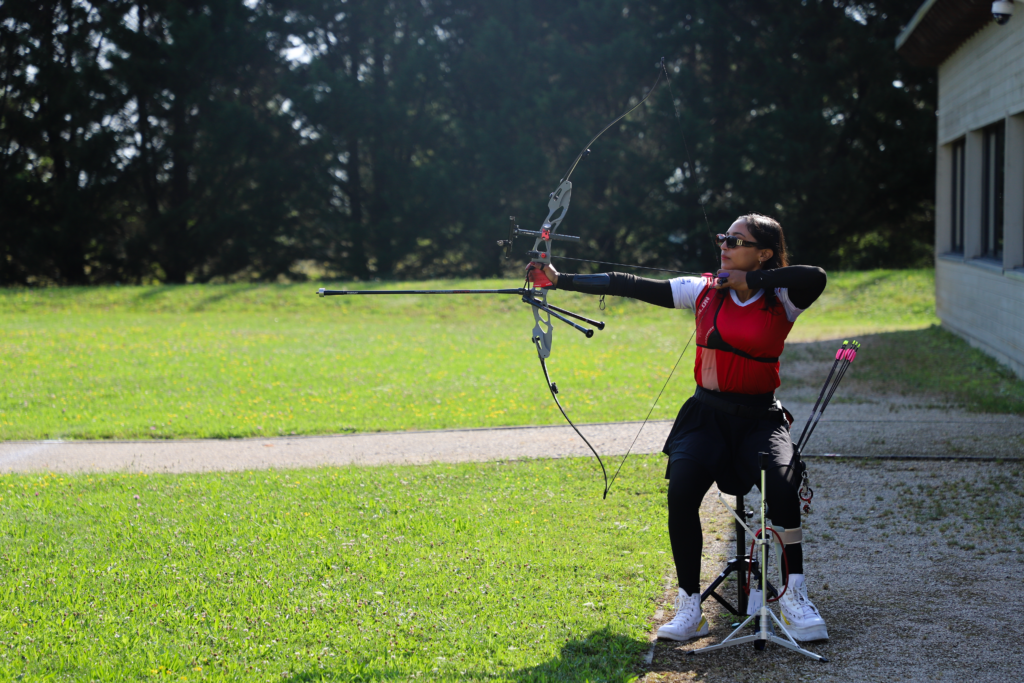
point(983, 306)
point(983, 81)
point(982, 299)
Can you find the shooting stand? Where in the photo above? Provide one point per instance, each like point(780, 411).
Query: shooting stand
point(736, 565)
point(765, 617)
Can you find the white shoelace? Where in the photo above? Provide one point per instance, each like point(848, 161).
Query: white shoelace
point(685, 608)
point(799, 602)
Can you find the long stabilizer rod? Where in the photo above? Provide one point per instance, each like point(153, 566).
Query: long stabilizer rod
point(523, 292)
point(342, 292)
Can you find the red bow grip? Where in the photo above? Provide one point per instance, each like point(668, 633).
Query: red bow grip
point(535, 274)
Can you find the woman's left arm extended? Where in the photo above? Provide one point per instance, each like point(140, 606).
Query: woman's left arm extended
point(657, 292)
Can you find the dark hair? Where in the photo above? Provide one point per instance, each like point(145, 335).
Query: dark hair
point(767, 232)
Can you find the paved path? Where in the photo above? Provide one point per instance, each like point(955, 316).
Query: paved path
point(877, 428)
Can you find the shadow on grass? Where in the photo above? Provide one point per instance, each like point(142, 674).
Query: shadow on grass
point(225, 293)
point(931, 362)
point(153, 294)
point(876, 279)
point(150, 293)
point(601, 656)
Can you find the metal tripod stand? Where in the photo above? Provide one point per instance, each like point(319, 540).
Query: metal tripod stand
point(737, 565)
point(765, 617)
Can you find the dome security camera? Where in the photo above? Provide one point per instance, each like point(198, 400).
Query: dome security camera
point(1002, 10)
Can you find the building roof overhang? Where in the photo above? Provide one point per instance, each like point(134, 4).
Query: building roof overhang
point(939, 27)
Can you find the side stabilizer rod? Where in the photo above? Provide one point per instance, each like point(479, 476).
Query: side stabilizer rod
point(548, 309)
point(596, 323)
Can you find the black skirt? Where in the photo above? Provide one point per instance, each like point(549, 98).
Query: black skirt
point(728, 445)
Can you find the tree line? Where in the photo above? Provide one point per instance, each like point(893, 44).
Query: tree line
point(183, 141)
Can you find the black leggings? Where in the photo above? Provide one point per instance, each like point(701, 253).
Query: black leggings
point(688, 482)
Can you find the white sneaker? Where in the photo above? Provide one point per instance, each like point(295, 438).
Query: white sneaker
point(688, 622)
point(799, 614)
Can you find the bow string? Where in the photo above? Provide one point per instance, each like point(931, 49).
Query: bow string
point(537, 284)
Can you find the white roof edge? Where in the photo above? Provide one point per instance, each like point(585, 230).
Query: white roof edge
point(914, 21)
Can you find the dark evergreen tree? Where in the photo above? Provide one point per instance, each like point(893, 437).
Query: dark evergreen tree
point(376, 90)
point(58, 163)
point(804, 111)
point(181, 140)
point(218, 171)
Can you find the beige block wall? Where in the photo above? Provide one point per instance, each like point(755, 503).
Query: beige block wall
point(981, 300)
point(984, 306)
point(983, 81)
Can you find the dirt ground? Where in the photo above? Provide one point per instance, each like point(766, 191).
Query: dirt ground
point(916, 566)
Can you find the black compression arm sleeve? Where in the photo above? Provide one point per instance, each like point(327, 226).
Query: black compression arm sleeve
point(805, 283)
point(657, 292)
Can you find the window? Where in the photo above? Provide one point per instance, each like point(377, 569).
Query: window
point(992, 192)
point(957, 195)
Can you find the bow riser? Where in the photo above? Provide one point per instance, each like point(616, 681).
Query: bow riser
point(558, 206)
point(542, 324)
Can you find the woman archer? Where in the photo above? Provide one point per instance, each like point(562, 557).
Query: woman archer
point(742, 325)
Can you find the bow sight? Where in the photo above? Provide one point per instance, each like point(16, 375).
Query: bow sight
point(515, 231)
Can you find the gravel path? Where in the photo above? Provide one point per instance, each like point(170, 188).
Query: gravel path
point(884, 427)
point(917, 568)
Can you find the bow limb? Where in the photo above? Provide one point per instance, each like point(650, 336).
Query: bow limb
point(542, 333)
point(586, 148)
point(558, 206)
point(554, 394)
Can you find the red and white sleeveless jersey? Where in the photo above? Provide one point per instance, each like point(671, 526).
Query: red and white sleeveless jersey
point(738, 343)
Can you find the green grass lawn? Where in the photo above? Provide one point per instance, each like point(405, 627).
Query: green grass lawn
point(937, 364)
point(259, 360)
point(499, 571)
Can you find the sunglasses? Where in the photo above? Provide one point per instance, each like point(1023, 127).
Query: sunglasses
point(732, 241)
